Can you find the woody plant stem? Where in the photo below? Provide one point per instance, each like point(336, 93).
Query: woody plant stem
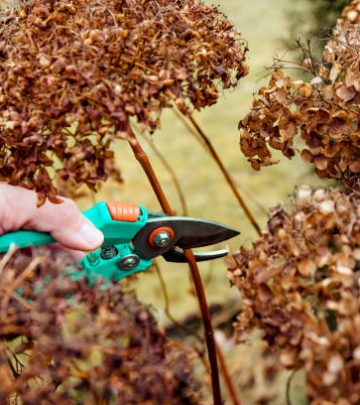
point(230, 180)
point(145, 163)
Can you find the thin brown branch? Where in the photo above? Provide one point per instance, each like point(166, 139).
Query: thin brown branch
point(288, 387)
point(144, 161)
point(226, 174)
point(18, 364)
point(189, 331)
point(210, 274)
point(189, 127)
point(167, 307)
point(227, 377)
point(209, 333)
point(193, 131)
point(19, 279)
point(12, 368)
point(172, 174)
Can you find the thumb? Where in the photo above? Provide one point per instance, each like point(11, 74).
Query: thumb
point(18, 209)
point(67, 225)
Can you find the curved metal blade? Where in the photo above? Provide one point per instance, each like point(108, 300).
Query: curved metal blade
point(156, 214)
point(188, 233)
point(176, 255)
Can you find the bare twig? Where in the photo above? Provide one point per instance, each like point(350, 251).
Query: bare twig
point(226, 174)
point(144, 161)
point(167, 307)
point(19, 365)
point(194, 132)
point(288, 387)
point(209, 333)
point(172, 174)
point(5, 259)
point(227, 377)
point(19, 279)
point(222, 363)
point(200, 352)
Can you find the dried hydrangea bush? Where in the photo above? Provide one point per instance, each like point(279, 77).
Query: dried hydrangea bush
point(324, 111)
point(65, 343)
point(300, 285)
point(72, 74)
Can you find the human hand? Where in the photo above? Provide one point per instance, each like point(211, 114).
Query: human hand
point(66, 224)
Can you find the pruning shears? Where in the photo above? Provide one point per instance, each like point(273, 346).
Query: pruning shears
point(133, 236)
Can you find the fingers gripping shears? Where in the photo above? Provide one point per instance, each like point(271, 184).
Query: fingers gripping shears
point(133, 237)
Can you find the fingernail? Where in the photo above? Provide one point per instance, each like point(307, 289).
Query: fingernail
point(92, 236)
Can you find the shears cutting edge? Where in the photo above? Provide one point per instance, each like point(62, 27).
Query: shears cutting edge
point(133, 236)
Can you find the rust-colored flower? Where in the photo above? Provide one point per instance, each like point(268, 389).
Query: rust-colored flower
point(72, 74)
point(300, 284)
point(63, 342)
point(324, 111)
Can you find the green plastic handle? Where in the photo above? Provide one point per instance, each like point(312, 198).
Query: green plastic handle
point(24, 239)
point(117, 233)
point(114, 231)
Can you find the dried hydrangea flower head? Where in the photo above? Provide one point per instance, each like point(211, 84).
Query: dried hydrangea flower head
point(99, 346)
point(72, 74)
point(325, 111)
point(300, 285)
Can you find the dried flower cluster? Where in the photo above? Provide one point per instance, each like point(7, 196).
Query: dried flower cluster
point(300, 285)
point(325, 111)
point(63, 342)
point(72, 74)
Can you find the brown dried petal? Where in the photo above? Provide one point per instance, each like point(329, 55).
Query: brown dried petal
point(300, 286)
point(324, 112)
point(72, 76)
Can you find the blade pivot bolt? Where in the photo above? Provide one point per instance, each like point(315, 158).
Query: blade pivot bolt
point(108, 252)
point(128, 262)
point(161, 237)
